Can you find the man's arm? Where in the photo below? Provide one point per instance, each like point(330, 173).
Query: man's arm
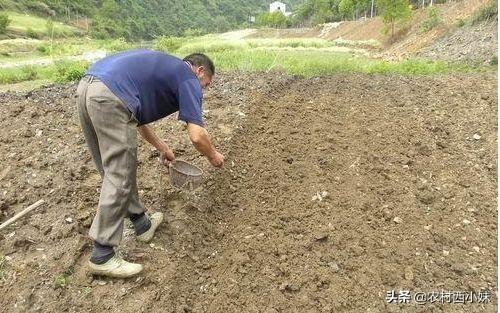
point(150, 136)
point(201, 141)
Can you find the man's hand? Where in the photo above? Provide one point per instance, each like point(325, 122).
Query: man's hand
point(166, 154)
point(216, 159)
point(201, 141)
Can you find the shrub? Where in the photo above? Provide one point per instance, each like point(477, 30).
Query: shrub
point(193, 32)
point(29, 72)
point(43, 49)
point(275, 19)
point(70, 71)
point(433, 19)
point(4, 22)
point(494, 60)
point(169, 44)
point(116, 45)
point(486, 13)
point(32, 34)
point(461, 23)
point(16, 74)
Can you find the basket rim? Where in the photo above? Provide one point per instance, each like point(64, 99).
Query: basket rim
point(184, 173)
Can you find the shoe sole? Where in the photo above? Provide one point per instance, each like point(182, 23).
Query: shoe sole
point(107, 274)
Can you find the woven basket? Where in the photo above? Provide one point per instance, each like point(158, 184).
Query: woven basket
point(185, 175)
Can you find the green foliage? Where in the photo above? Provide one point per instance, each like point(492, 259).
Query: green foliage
point(168, 44)
point(275, 19)
point(307, 57)
point(32, 34)
point(44, 49)
point(61, 281)
point(29, 72)
point(394, 12)
point(301, 56)
point(486, 13)
point(461, 23)
point(4, 22)
point(148, 19)
point(70, 71)
point(40, 8)
point(15, 75)
point(193, 32)
point(314, 63)
point(115, 45)
point(31, 25)
point(346, 7)
point(49, 26)
point(315, 12)
point(494, 60)
point(433, 19)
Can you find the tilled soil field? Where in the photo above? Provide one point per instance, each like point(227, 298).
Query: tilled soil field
point(336, 190)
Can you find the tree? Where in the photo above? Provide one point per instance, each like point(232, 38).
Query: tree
point(275, 19)
point(346, 8)
point(394, 11)
point(4, 22)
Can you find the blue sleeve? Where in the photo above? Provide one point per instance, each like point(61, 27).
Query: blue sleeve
point(189, 96)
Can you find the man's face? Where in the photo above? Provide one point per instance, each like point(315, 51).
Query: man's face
point(204, 78)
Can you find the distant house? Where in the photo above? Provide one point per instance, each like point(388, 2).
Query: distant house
point(279, 6)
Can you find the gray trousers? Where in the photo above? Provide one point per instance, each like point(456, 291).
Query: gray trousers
point(110, 131)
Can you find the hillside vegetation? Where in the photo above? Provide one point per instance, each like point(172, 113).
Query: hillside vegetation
point(146, 19)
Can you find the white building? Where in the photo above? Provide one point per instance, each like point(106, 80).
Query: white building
point(278, 6)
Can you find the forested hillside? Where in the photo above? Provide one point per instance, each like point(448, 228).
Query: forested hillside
point(146, 19)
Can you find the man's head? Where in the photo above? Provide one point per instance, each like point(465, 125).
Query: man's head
point(202, 67)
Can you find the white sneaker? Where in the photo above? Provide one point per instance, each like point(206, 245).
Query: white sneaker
point(156, 220)
point(116, 267)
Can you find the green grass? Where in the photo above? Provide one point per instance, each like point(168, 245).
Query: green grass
point(9, 46)
point(70, 47)
point(35, 27)
point(61, 71)
point(216, 43)
point(305, 57)
point(315, 63)
point(18, 50)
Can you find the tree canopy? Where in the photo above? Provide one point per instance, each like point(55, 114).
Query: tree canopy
point(146, 19)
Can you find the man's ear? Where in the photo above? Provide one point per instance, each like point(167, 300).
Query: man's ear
point(201, 70)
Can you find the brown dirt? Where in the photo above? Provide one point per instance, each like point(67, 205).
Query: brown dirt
point(476, 44)
point(413, 40)
point(369, 29)
point(409, 41)
point(257, 238)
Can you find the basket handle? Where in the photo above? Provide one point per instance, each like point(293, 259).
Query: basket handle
point(168, 165)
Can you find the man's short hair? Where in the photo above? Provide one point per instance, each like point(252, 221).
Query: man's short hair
point(199, 59)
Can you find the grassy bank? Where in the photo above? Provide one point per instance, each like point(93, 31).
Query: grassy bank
point(61, 71)
point(37, 27)
point(305, 57)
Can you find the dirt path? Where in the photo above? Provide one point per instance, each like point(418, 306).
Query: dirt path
point(336, 190)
